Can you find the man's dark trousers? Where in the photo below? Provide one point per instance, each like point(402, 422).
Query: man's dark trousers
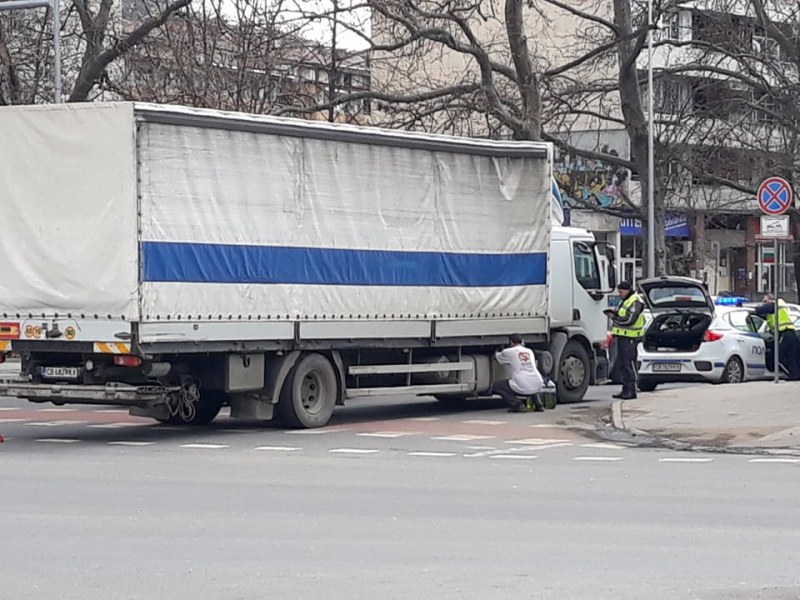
point(790, 353)
point(627, 355)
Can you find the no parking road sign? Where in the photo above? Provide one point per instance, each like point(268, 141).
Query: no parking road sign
point(774, 196)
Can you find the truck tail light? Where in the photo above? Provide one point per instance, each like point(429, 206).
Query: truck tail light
point(127, 361)
point(712, 336)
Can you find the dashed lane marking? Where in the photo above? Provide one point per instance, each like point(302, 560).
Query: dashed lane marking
point(603, 446)
point(537, 442)
point(352, 451)
point(205, 446)
point(112, 411)
point(462, 438)
point(515, 456)
point(790, 461)
point(432, 454)
point(57, 441)
point(13, 420)
point(551, 446)
point(278, 448)
point(55, 423)
point(314, 431)
point(547, 426)
point(56, 410)
point(8, 408)
point(484, 422)
point(481, 447)
point(685, 460)
point(598, 458)
point(387, 434)
point(119, 425)
point(425, 419)
point(125, 443)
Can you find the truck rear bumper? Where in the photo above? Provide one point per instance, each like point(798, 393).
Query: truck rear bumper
point(114, 394)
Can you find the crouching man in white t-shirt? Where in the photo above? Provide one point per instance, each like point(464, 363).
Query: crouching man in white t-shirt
point(525, 377)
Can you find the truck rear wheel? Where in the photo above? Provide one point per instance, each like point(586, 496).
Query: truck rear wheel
point(573, 373)
point(309, 393)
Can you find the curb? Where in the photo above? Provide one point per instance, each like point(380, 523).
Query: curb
point(616, 415)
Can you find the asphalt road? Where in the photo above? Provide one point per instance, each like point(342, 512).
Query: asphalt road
point(405, 500)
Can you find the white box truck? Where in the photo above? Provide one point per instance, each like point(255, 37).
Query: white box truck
point(176, 260)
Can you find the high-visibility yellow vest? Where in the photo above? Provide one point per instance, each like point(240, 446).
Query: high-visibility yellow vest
point(633, 331)
point(785, 322)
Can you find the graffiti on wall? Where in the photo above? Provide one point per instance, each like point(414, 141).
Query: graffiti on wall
point(589, 182)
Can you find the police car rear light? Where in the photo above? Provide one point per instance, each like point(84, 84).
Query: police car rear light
point(712, 336)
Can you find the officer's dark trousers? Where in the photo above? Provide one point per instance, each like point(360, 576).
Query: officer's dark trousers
point(627, 355)
point(790, 354)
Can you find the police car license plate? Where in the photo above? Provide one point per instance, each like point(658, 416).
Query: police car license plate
point(666, 367)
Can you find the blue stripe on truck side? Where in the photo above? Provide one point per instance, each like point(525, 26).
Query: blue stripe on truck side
point(226, 263)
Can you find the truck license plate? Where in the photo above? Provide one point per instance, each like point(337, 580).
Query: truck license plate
point(60, 372)
point(666, 367)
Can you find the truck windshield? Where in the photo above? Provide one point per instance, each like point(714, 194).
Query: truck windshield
point(586, 271)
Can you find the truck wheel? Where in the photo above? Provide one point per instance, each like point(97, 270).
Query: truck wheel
point(309, 393)
point(573, 373)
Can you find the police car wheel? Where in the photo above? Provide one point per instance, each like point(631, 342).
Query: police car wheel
point(734, 371)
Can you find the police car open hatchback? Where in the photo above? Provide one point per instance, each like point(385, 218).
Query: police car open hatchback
point(687, 340)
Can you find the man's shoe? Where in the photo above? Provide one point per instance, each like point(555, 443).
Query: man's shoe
point(518, 409)
point(617, 396)
point(627, 396)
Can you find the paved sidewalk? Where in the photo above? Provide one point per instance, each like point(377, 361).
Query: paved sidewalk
point(761, 416)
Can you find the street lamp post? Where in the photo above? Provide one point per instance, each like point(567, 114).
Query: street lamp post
point(651, 230)
point(56, 13)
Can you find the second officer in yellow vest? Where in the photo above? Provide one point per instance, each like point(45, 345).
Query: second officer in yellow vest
point(628, 330)
point(789, 348)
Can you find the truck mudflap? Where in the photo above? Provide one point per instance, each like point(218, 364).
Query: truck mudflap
point(112, 393)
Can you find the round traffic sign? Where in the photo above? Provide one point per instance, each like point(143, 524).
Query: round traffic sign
point(774, 196)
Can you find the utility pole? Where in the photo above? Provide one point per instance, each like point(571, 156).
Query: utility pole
point(333, 75)
point(651, 207)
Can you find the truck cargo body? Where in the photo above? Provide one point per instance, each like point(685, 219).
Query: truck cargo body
point(175, 260)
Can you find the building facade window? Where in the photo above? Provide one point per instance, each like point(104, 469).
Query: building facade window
point(765, 269)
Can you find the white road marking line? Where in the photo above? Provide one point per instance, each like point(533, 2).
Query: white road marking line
point(205, 446)
point(387, 434)
point(12, 420)
point(598, 458)
point(425, 419)
point(55, 410)
point(110, 411)
point(484, 422)
point(547, 426)
point(8, 408)
point(481, 447)
point(685, 460)
point(431, 454)
point(55, 423)
point(279, 448)
point(352, 451)
point(515, 456)
point(603, 446)
point(131, 443)
point(550, 446)
point(57, 441)
point(775, 460)
point(461, 438)
point(119, 425)
point(537, 441)
point(314, 431)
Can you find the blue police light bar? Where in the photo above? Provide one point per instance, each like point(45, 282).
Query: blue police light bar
point(731, 301)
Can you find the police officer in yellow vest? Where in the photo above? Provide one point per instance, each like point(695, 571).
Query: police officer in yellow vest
point(789, 343)
point(628, 330)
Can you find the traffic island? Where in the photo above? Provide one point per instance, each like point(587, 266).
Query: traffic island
point(752, 418)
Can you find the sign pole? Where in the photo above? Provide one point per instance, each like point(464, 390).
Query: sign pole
point(776, 332)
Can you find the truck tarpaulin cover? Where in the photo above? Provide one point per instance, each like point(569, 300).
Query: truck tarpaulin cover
point(68, 242)
point(245, 224)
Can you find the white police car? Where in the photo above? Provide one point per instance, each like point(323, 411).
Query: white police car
point(690, 338)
